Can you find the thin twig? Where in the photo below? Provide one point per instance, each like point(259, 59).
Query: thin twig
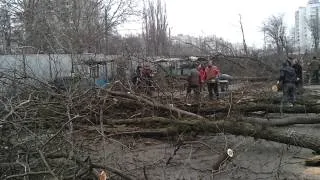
point(145, 173)
point(60, 130)
point(28, 174)
point(47, 165)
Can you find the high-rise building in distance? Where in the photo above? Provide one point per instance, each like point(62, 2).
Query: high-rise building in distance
point(303, 17)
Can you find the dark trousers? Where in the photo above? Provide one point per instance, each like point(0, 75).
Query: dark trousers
point(202, 87)
point(289, 92)
point(299, 86)
point(195, 88)
point(315, 76)
point(214, 87)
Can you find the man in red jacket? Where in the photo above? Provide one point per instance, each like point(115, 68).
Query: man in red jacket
point(203, 75)
point(212, 74)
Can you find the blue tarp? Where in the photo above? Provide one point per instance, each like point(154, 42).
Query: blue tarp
point(102, 83)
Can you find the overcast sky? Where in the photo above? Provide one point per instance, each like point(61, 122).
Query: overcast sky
point(221, 17)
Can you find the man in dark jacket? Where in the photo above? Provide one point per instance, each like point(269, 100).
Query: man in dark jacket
point(288, 79)
point(298, 69)
point(137, 77)
point(314, 70)
point(193, 82)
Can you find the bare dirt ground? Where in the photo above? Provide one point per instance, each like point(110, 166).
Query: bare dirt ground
point(254, 159)
point(166, 159)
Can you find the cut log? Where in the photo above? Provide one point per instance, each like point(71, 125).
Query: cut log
point(103, 175)
point(280, 135)
point(271, 108)
point(249, 108)
point(314, 161)
point(145, 120)
point(252, 79)
point(155, 104)
point(305, 99)
point(314, 119)
point(158, 133)
point(314, 171)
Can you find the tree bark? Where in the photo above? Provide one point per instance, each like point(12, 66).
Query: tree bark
point(280, 135)
point(249, 108)
point(268, 108)
point(284, 121)
point(314, 161)
point(274, 108)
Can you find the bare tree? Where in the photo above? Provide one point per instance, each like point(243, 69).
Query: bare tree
point(6, 27)
point(275, 29)
point(155, 28)
point(71, 25)
point(116, 12)
point(26, 12)
point(203, 46)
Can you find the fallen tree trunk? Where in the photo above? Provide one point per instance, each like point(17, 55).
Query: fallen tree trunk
point(252, 79)
point(272, 134)
point(159, 133)
point(280, 135)
point(315, 119)
point(272, 108)
point(268, 108)
point(155, 104)
point(145, 120)
point(307, 98)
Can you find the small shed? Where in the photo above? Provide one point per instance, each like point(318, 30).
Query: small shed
point(177, 66)
point(97, 71)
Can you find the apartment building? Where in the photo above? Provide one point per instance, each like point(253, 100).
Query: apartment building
point(303, 17)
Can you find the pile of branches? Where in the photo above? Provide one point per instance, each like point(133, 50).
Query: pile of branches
point(38, 126)
point(39, 123)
